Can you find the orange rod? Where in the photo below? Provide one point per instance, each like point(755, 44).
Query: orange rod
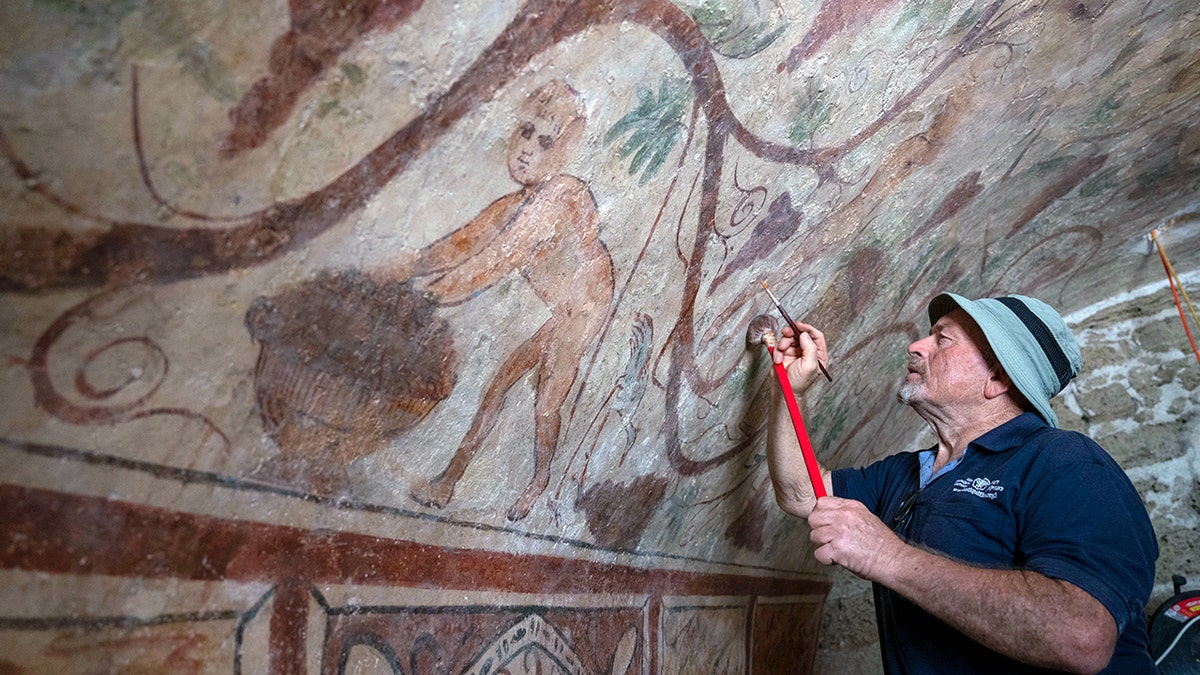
point(1171, 279)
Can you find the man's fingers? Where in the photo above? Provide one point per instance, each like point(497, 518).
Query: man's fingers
point(824, 555)
point(796, 347)
point(806, 344)
point(824, 544)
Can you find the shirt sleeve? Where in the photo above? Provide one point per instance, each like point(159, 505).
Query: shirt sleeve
point(1083, 522)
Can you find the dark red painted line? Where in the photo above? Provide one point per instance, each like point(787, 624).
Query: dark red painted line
point(58, 532)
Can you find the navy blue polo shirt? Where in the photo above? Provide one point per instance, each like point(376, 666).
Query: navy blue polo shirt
point(1024, 496)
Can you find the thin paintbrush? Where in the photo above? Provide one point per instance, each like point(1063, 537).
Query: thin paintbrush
point(795, 330)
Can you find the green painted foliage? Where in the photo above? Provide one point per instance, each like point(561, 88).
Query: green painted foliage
point(924, 13)
point(966, 20)
point(1106, 108)
point(1101, 183)
point(354, 74)
point(652, 128)
point(91, 8)
point(811, 110)
point(737, 33)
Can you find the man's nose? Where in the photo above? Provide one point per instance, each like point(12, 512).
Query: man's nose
point(918, 348)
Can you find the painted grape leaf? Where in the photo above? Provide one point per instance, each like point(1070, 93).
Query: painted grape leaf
point(811, 110)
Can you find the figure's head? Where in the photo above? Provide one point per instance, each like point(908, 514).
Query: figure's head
point(549, 125)
point(1024, 337)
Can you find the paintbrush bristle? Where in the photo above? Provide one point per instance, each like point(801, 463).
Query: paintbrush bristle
point(764, 285)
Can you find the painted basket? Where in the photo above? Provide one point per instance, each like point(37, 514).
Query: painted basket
point(347, 362)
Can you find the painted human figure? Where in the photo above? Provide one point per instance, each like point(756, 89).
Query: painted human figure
point(548, 231)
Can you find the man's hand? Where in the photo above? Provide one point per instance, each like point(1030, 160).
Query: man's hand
point(1023, 614)
point(799, 354)
point(847, 534)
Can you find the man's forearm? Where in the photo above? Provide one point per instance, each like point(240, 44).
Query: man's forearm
point(1022, 614)
point(785, 459)
point(789, 476)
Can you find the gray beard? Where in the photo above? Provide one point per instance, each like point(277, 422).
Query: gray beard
point(909, 392)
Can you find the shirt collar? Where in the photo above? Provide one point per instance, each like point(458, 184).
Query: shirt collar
point(1011, 434)
point(925, 470)
point(1004, 437)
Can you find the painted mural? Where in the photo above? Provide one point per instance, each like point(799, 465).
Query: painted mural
point(394, 306)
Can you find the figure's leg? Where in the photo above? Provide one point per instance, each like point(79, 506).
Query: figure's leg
point(556, 370)
point(440, 490)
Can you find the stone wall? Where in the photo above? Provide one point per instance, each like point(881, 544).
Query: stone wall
point(1140, 399)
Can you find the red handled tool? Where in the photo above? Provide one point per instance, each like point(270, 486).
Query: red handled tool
point(810, 457)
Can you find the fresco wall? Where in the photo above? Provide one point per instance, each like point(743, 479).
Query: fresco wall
point(361, 334)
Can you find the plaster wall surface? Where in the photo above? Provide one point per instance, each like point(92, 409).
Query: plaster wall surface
point(350, 334)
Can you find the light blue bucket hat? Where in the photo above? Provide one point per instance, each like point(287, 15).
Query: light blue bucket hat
point(1030, 338)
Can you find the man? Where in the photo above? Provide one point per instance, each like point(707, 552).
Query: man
point(1010, 545)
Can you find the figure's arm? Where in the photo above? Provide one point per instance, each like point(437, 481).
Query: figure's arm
point(1020, 613)
point(793, 489)
point(538, 234)
point(466, 242)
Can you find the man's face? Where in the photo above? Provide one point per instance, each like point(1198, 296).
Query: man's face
point(947, 367)
point(535, 149)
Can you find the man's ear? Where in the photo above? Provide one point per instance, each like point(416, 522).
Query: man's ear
point(998, 383)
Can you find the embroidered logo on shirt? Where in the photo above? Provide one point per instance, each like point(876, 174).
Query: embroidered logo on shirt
point(980, 487)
